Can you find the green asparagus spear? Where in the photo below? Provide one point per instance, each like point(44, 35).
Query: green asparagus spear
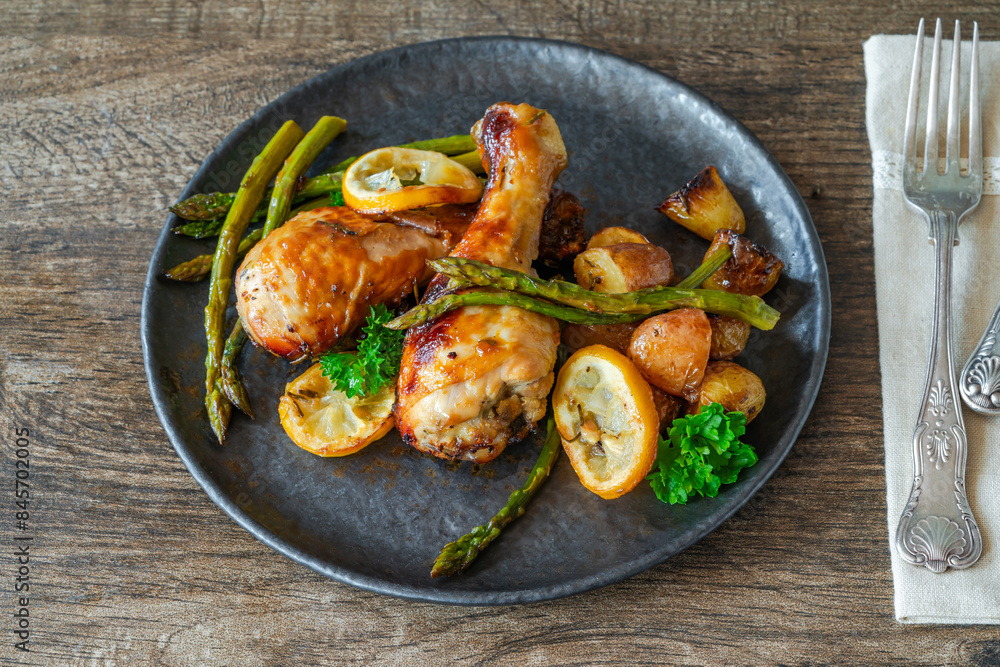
point(320, 185)
point(232, 386)
point(200, 229)
point(216, 204)
point(322, 133)
point(219, 410)
point(707, 268)
point(425, 312)
point(750, 309)
point(471, 161)
point(262, 170)
point(208, 206)
point(203, 229)
point(454, 145)
point(458, 555)
point(198, 268)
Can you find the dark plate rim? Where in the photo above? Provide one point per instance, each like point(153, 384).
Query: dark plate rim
point(444, 595)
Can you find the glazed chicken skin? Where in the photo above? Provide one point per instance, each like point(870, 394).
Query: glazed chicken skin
point(312, 281)
point(479, 377)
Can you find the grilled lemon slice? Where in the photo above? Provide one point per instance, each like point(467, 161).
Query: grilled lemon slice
point(324, 421)
point(607, 420)
point(398, 179)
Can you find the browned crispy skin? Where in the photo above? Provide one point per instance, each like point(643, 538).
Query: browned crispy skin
point(470, 381)
point(313, 281)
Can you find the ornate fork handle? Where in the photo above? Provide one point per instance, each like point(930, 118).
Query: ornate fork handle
point(937, 528)
point(980, 383)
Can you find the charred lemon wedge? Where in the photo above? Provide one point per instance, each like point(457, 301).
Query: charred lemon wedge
point(607, 420)
point(324, 421)
point(387, 180)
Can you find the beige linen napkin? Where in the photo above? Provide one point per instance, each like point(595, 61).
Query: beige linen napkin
point(904, 271)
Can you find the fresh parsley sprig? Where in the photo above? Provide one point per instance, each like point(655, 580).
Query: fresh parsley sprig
point(703, 452)
point(376, 363)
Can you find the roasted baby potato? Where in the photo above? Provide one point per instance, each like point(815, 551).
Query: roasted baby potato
point(729, 336)
point(624, 267)
point(615, 336)
point(752, 270)
point(732, 386)
point(705, 206)
point(614, 236)
point(671, 350)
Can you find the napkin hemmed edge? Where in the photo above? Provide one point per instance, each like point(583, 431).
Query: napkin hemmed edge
point(929, 619)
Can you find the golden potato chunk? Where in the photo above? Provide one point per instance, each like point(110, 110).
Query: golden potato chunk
point(752, 270)
point(615, 336)
point(614, 236)
point(729, 336)
point(705, 205)
point(671, 350)
point(624, 267)
point(732, 386)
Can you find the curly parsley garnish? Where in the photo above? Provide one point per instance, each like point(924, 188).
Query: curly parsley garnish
point(376, 363)
point(703, 452)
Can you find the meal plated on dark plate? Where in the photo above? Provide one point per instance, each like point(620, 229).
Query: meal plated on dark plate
point(379, 517)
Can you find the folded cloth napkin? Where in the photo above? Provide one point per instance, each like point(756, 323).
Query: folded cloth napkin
point(904, 272)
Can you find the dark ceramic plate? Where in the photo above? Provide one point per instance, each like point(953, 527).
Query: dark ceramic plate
point(377, 519)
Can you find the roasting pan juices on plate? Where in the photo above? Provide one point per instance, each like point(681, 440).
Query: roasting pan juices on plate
point(627, 138)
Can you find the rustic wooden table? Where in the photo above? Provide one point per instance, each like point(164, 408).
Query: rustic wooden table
point(105, 113)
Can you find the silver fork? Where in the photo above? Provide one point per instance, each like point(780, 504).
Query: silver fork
point(937, 529)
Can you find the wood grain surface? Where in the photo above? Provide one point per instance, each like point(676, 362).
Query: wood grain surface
point(106, 111)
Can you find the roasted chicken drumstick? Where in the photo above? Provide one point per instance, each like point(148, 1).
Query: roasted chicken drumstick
point(312, 281)
point(478, 377)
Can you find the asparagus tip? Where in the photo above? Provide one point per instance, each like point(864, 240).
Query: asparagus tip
point(219, 410)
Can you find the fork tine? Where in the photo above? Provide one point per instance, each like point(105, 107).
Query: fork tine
point(931, 145)
point(975, 128)
point(954, 120)
point(910, 136)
